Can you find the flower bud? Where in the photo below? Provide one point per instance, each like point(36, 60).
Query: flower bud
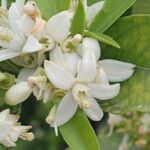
point(30, 136)
point(18, 93)
point(142, 130)
point(140, 143)
point(76, 39)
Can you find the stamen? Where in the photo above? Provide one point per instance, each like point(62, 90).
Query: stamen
point(70, 43)
point(35, 80)
point(56, 129)
point(5, 35)
point(48, 42)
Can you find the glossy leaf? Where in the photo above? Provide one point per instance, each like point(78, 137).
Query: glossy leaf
point(111, 11)
point(52, 7)
point(102, 38)
point(90, 2)
point(78, 22)
point(141, 7)
point(131, 34)
point(79, 134)
point(9, 67)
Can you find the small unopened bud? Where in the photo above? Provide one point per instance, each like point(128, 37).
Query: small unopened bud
point(123, 146)
point(140, 143)
point(85, 104)
point(114, 119)
point(39, 25)
point(142, 130)
point(76, 39)
point(18, 93)
point(30, 136)
point(30, 9)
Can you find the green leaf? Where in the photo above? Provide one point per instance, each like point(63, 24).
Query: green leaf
point(2, 95)
point(9, 67)
point(132, 34)
point(141, 7)
point(79, 134)
point(111, 11)
point(90, 2)
point(102, 38)
point(78, 22)
point(51, 7)
point(6, 80)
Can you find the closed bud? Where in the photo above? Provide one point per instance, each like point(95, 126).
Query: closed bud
point(18, 93)
point(140, 143)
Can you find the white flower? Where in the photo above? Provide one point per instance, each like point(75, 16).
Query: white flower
point(81, 90)
point(116, 71)
point(29, 81)
point(11, 129)
point(15, 37)
point(84, 79)
point(114, 120)
point(90, 11)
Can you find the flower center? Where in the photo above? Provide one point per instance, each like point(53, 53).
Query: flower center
point(70, 43)
point(80, 93)
point(5, 35)
point(48, 42)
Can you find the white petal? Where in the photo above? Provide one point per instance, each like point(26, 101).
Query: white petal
point(93, 10)
point(20, 4)
point(24, 74)
point(7, 54)
point(117, 71)
point(4, 114)
point(59, 25)
point(57, 56)
point(13, 118)
point(72, 61)
point(14, 15)
point(4, 21)
point(90, 44)
point(32, 45)
point(7, 142)
point(104, 92)
point(101, 77)
point(18, 93)
point(58, 76)
point(87, 69)
point(10, 40)
point(94, 112)
point(4, 4)
point(67, 60)
point(16, 132)
point(66, 109)
point(26, 24)
point(5, 129)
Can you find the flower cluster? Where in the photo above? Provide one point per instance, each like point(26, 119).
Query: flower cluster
point(123, 125)
point(57, 65)
point(11, 129)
